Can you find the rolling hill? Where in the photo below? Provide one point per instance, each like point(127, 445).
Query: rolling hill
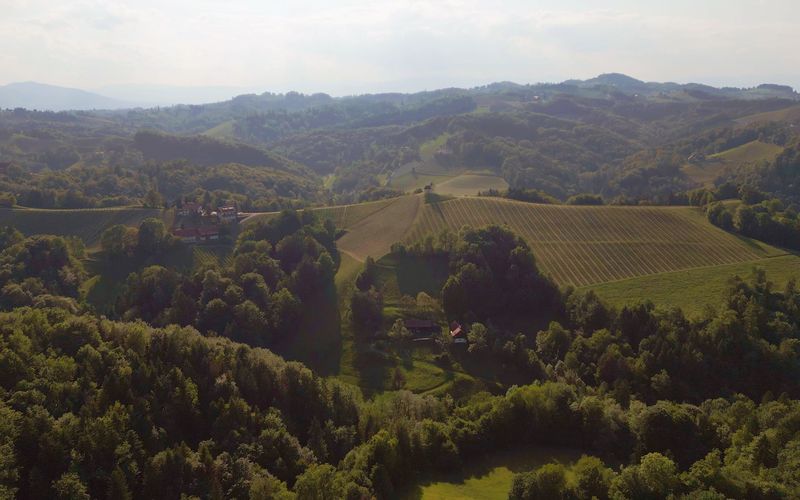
point(32, 95)
point(751, 153)
point(576, 245)
point(87, 224)
point(579, 245)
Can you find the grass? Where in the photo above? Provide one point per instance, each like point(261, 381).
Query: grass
point(87, 224)
point(581, 245)
point(695, 289)
point(470, 184)
point(490, 477)
point(750, 153)
point(222, 131)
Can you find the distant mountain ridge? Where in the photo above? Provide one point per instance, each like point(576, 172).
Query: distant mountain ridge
point(43, 97)
point(33, 95)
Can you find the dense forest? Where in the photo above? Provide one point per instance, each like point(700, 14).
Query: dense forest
point(145, 407)
point(612, 136)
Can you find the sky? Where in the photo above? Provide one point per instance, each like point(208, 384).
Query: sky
point(346, 47)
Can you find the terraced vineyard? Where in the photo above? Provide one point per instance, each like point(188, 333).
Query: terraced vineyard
point(87, 224)
point(581, 245)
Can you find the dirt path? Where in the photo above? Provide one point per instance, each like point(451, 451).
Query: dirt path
point(374, 235)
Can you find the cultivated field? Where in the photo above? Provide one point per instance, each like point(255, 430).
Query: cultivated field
point(750, 153)
point(87, 224)
point(375, 234)
point(582, 245)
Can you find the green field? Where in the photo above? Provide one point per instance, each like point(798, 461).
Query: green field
point(582, 245)
point(695, 289)
point(470, 184)
point(753, 152)
point(490, 477)
point(87, 224)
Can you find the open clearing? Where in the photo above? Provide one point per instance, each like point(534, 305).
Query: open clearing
point(694, 289)
point(753, 152)
point(491, 476)
point(375, 234)
point(87, 224)
point(581, 245)
point(470, 185)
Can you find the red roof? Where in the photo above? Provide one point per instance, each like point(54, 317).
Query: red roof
point(183, 233)
point(207, 231)
point(456, 329)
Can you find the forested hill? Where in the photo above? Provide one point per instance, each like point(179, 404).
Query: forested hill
point(611, 135)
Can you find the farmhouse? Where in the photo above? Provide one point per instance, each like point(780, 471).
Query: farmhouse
point(190, 208)
point(197, 234)
point(457, 333)
point(422, 327)
point(228, 213)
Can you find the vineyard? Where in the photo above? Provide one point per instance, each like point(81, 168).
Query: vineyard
point(343, 216)
point(87, 224)
point(581, 245)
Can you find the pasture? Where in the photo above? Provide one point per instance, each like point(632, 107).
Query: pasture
point(583, 245)
point(87, 224)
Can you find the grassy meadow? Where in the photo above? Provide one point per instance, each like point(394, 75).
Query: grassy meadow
point(490, 477)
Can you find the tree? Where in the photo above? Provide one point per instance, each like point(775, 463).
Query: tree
point(151, 236)
point(114, 242)
point(478, 337)
point(366, 312)
point(398, 331)
point(654, 478)
point(153, 199)
point(70, 487)
point(592, 478)
point(547, 482)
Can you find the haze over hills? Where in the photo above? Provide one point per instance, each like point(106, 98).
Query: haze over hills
point(45, 97)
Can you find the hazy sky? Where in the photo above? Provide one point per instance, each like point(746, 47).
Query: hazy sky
point(344, 47)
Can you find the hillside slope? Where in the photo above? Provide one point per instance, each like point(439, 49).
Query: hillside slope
point(87, 224)
point(579, 245)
